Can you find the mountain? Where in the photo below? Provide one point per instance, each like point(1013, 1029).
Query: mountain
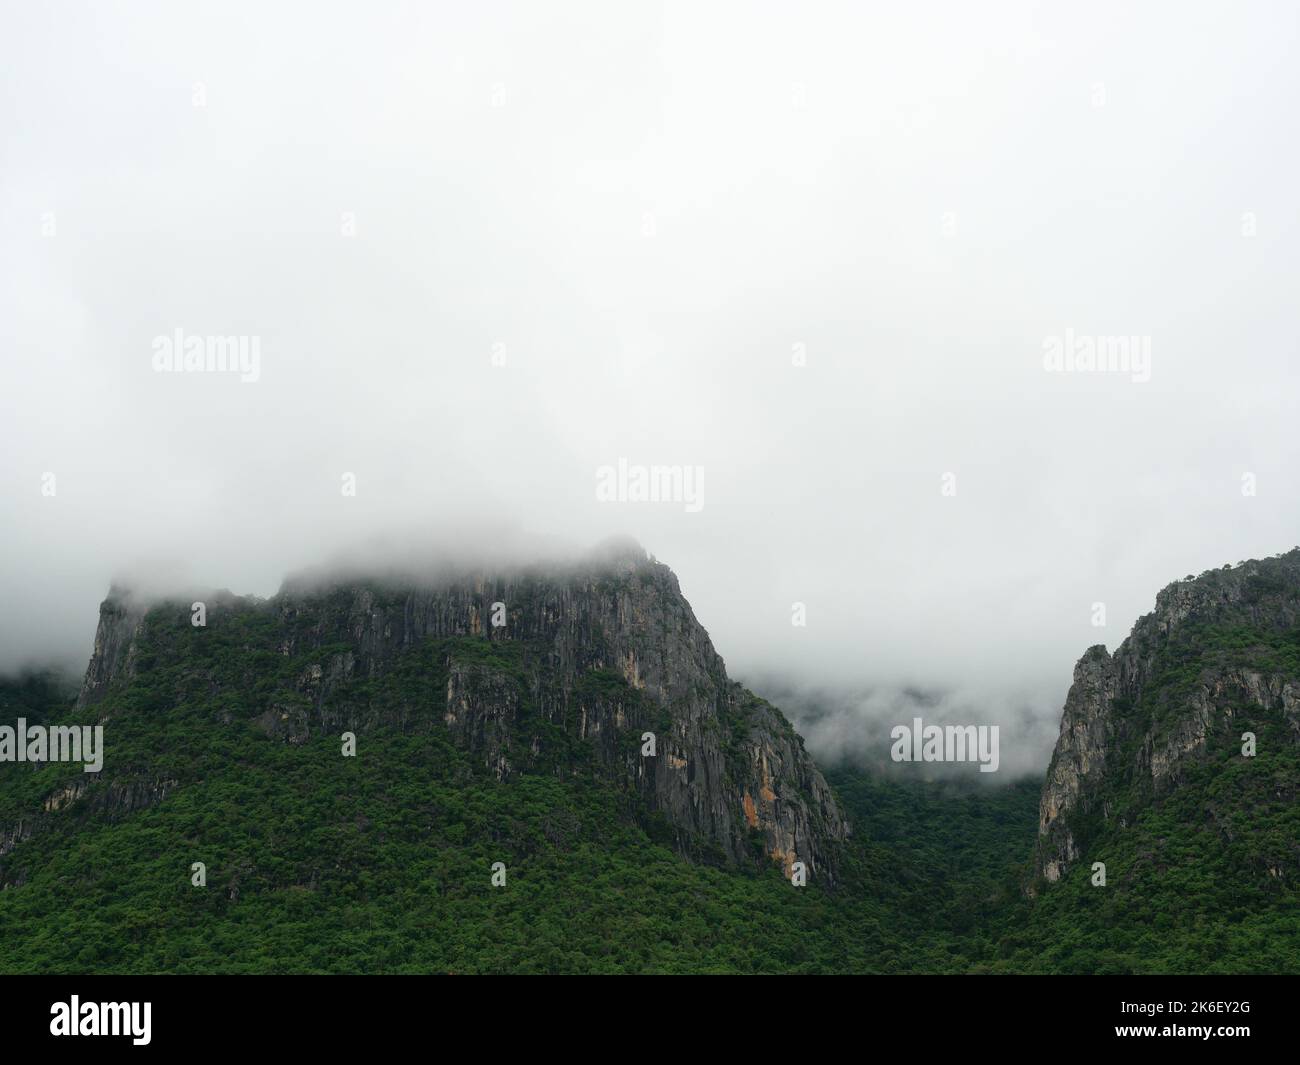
point(478, 747)
point(563, 670)
point(1177, 768)
point(499, 816)
point(1218, 658)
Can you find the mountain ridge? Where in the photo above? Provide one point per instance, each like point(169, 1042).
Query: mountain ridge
point(482, 747)
point(606, 650)
point(1217, 657)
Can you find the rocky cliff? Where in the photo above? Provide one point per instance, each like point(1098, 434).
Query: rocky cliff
point(1219, 657)
point(574, 669)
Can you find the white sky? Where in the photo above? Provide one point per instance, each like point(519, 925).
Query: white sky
point(918, 194)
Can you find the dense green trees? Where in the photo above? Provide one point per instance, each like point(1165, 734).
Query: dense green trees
point(382, 863)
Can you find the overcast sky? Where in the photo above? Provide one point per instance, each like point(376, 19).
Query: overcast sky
point(651, 214)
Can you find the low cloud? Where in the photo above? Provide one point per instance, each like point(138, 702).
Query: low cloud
point(484, 253)
point(852, 726)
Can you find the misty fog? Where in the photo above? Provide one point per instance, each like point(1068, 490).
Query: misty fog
point(486, 253)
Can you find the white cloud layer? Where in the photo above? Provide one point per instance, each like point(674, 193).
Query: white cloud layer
point(649, 213)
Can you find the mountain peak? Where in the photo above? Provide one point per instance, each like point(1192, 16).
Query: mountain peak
point(1216, 659)
point(597, 665)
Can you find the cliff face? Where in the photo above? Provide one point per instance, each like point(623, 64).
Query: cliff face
point(589, 658)
point(1219, 656)
point(120, 621)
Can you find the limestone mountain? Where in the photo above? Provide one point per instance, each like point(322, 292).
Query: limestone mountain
point(564, 669)
point(500, 717)
point(1192, 725)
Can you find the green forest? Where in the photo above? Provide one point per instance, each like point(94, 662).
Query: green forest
point(383, 862)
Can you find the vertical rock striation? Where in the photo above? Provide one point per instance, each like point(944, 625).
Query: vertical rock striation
point(591, 657)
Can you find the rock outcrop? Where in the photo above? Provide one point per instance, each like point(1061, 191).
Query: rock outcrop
point(120, 619)
point(1218, 653)
point(533, 670)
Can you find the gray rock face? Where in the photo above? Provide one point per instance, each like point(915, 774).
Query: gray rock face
point(1135, 719)
point(599, 653)
point(113, 800)
point(1087, 732)
point(120, 620)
